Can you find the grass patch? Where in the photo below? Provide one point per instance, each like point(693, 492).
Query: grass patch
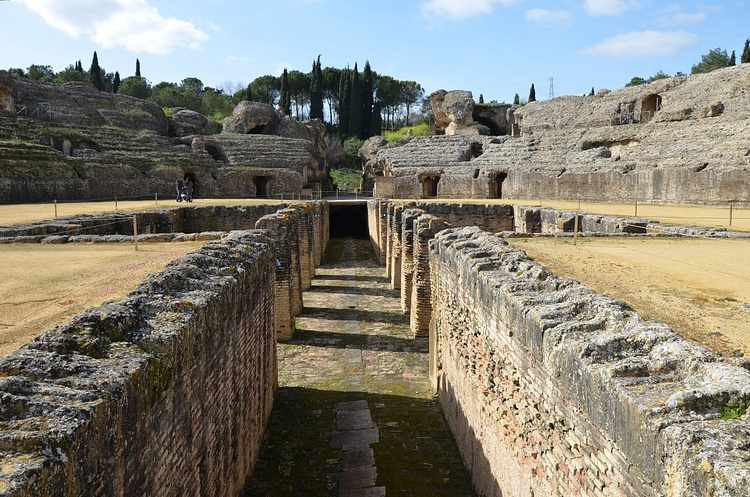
point(408, 131)
point(733, 410)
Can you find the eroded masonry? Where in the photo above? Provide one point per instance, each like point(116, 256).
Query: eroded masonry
point(549, 388)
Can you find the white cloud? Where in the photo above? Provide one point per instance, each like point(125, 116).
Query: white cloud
point(130, 24)
point(673, 16)
point(551, 18)
point(462, 9)
point(608, 7)
point(643, 44)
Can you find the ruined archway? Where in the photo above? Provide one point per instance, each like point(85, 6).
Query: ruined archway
point(650, 106)
point(430, 186)
point(261, 186)
point(215, 152)
point(496, 186)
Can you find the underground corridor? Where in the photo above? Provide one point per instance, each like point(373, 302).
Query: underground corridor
point(355, 414)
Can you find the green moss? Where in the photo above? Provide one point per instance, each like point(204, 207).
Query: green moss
point(733, 410)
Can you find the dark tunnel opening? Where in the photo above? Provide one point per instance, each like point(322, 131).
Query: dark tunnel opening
point(348, 221)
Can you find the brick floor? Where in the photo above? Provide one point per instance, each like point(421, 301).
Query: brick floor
point(353, 344)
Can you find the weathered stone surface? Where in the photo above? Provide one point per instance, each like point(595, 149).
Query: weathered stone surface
point(676, 140)
point(104, 146)
point(453, 110)
point(189, 122)
point(250, 117)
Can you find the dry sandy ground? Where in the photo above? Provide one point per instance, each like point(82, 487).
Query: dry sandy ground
point(45, 285)
point(698, 287)
point(701, 288)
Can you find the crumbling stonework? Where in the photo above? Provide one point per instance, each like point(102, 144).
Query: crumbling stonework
point(677, 140)
point(551, 389)
point(98, 145)
point(129, 398)
point(167, 391)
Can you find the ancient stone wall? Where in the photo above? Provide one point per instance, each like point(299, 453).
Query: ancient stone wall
point(678, 140)
point(549, 388)
point(165, 392)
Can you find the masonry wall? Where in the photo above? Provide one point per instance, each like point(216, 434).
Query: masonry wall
point(166, 392)
point(551, 389)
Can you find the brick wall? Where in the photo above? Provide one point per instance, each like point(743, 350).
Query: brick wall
point(549, 388)
point(165, 392)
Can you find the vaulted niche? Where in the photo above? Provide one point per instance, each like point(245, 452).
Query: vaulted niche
point(496, 186)
point(214, 151)
point(261, 186)
point(430, 186)
point(650, 106)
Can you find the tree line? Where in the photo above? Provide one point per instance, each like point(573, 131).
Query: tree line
point(352, 103)
point(716, 58)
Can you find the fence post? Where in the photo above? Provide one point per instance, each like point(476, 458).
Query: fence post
point(115, 203)
point(731, 207)
point(135, 232)
point(156, 198)
point(55, 208)
point(575, 230)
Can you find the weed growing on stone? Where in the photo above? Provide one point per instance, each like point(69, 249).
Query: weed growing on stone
point(733, 410)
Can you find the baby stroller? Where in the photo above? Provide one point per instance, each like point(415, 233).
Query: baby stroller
point(184, 193)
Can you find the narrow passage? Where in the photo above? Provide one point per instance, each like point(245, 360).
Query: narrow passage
point(353, 372)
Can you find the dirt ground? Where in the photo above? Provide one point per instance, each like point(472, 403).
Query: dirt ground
point(701, 288)
point(45, 285)
point(698, 287)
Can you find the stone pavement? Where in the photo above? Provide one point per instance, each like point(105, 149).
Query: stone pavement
point(355, 415)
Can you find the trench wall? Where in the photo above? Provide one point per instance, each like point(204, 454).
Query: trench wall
point(166, 392)
point(553, 390)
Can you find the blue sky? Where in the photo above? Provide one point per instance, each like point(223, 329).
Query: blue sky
point(492, 47)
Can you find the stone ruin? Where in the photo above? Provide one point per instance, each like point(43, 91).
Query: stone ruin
point(73, 142)
point(676, 140)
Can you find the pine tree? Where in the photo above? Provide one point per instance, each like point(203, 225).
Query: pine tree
point(532, 93)
point(95, 73)
point(746, 52)
point(316, 91)
point(516, 100)
point(285, 99)
point(345, 93)
point(355, 106)
point(368, 84)
point(732, 60)
point(137, 68)
point(116, 82)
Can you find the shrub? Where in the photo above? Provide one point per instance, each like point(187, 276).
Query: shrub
point(422, 129)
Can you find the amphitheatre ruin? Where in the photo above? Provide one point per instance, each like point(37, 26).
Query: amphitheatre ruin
point(546, 387)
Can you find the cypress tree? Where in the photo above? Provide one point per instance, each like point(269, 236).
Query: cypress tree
point(285, 99)
point(116, 82)
point(345, 93)
point(516, 100)
point(355, 106)
point(249, 93)
point(592, 92)
point(95, 73)
point(316, 91)
point(745, 58)
point(481, 98)
point(532, 93)
point(367, 102)
point(137, 68)
point(732, 60)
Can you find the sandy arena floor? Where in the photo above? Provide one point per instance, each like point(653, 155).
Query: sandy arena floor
point(701, 288)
